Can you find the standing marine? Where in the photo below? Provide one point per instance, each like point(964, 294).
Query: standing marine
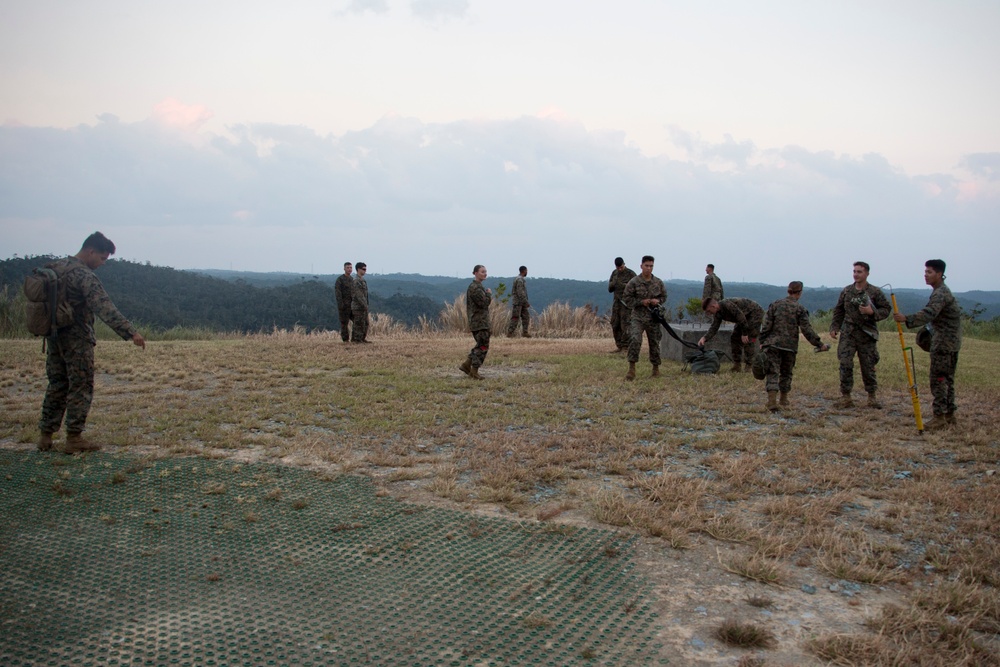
point(359, 306)
point(343, 289)
point(713, 285)
point(621, 314)
point(779, 338)
point(859, 309)
point(69, 361)
point(477, 306)
point(944, 318)
point(519, 305)
point(746, 315)
point(641, 293)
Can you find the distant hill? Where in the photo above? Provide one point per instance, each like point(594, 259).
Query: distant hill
point(162, 297)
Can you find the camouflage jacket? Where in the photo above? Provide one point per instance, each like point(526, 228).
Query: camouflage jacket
point(847, 317)
point(746, 313)
point(344, 290)
point(519, 293)
point(945, 317)
point(639, 289)
point(618, 281)
point(713, 289)
point(359, 295)
point(477, 305)
point(87, 296)
point(784, 319)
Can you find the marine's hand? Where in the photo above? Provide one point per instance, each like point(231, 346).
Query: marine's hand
point(833, 334)
point(138, 340)
point(866, 310)
point(745, 340)
point(701, 342)
point(899, 317)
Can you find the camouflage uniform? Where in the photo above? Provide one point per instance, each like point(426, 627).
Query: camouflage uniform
point(858, 333)
point(477, 305)
point(713, 289)
point(636, 291)
point(621, 314)
point(519, 307)
point(359, 310)
point(344, 290)
point(945, 317)
point(747, 316)
point(69, 363)
point(779, 337)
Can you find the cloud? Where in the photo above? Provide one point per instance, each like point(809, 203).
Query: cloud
point(983, 165)
point(432, 10)
point(362, 6)
point(536, 191)
point(175, 114)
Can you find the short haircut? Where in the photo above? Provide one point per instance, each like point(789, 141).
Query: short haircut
point(936, 264)
point(795, 287)
point(619, 261)
point(706, 302)
point(99, 242)
point(522, 269)
point(476, 268)
point(361, 265)
point(647, 258)
point(711, 266)
point(864, 265)
point(346, 264)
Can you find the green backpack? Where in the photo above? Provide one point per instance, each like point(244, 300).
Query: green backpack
point(703, 362)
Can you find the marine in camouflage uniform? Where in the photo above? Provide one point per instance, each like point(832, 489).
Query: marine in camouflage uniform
point(746, 315)
point(519, 305)
point(859, 308)
point(359, 306)
point(477, 306)
point(69, 361)
point(944, 316)
point(779, 338)
point(713, 286)
point(621, 315)
point(643, 291)
point(344, 291)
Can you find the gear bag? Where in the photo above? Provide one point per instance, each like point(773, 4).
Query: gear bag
point(703, 362)
point(758, 365)
point(47, 309)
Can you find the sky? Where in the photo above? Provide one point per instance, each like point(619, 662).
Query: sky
point(778, 140)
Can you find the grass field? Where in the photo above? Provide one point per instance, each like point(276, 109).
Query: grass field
point(555, 434)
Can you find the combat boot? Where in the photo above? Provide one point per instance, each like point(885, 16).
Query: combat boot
point(527, 335)
point(783, 398)
point(873, 401)
point(737, 367)
point(951, 419)
point(466, 366)
point(655, 373)
point(936, 423)
point(44, 442)
point(631, 371)
point(772, 401)
point(748, 367)
point(845, 401)
point(76, 444)
point(474, 373)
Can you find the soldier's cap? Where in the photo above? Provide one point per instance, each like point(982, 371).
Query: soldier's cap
point(924, 339)
point(794, 286)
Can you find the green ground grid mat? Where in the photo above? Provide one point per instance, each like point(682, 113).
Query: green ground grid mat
point(109, 560)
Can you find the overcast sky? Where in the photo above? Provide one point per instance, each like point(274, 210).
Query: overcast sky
point(779, 140)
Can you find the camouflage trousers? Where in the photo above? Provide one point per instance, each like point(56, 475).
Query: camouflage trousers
point(620, 319)
point(866, 347)
point(653, 334)
point(359, 331)
point(518, 313)
point(943, 365)
point(344, 315)
point(478, 353)
point(738, 349)
point(780, 366)
point(69, 366)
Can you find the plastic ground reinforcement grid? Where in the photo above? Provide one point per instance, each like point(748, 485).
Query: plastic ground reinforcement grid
point(111, 560)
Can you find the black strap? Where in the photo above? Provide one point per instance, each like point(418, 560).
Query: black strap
point(657, 313)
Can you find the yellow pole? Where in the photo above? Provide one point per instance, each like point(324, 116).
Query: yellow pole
point(908, 361)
